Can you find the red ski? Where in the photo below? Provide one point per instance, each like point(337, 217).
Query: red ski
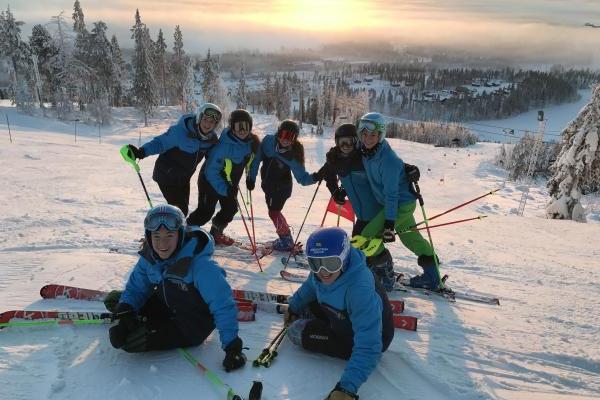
point(67, 316)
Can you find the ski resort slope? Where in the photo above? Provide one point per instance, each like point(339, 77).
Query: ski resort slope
point(65, 204)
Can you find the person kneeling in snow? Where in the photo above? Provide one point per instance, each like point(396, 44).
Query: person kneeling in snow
point(176, 293)
point(341, 310)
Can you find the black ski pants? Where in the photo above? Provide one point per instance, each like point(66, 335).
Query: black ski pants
point(177, 195)
point(207, 201)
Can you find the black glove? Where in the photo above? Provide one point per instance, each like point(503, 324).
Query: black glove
point(389, 234)
point(317, 176)
point(128, 321)
point(339, 196)
point(137, 153)
point(339, 393)
point(412, 173)
point(234, 358)
point(289, 316)
point(250, 184)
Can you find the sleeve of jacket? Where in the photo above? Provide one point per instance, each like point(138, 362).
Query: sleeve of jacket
point(364, 309)
point(210, 281)
point(330, 177)
point(162, 143)
point(300, 174)
point(305, 294)
point(138, 287)
point(214, 168)
point(253, 172)
point(392, 171)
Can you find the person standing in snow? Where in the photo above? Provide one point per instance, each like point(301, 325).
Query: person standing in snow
point(281, 155)
point(176, 293)
point(180, 150)
point(392, 184)
point(221, 173)
point(345, 161)
point(340, 310)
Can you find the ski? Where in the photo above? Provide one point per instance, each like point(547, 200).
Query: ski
point(296, 261)
point(403, 284)
point(66, 317)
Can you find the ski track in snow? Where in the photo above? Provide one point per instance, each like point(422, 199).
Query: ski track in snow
point(73, 212)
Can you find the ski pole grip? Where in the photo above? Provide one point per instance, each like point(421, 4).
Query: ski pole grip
point(129, 157)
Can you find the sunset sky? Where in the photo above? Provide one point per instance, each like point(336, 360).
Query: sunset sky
point(552, 28)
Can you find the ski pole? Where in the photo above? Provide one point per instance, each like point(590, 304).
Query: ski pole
point(265, 351)
point(339, 214)
point(273, 351)
point(211, 376)
point(459, 206)
point(129, 158)
point(247, 231)
point(252, 239)
point(417, 190)
point(302, 226)
point(252, 218)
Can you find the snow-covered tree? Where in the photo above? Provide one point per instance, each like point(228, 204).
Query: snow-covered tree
point(17, 52)
point(44, 48)
point(144, 88)
point(576, 171)
point(160, 63)
point(241, 94)
point(118, 76)
point(179, 68)
point(100, 58)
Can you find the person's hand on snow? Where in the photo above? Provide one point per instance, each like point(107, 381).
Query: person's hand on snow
point(339, 393)
point(389, 235)
point(234, 357)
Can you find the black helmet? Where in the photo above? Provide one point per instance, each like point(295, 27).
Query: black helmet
point(289, 126)
point(239, 116)
point(345, 130)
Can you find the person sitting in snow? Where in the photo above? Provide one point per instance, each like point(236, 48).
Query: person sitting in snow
point(340, 310)
point(392, 184)
point(345, 161)
point(176, 293)
point(221, 173)
point(281, 155)
point(180, 150)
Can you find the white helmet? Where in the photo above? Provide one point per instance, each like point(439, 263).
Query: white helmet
point(211, 110)
point(372, 122)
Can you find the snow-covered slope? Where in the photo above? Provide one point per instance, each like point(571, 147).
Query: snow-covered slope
point(65, 203)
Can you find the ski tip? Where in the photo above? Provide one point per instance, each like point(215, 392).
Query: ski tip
point(256, 391)
point(43, 291)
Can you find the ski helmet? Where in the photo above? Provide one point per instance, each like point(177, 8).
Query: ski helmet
point(240, 115)
point(171, 217)
point(210, 110)
point(288, 129)
point(372, 122)
point(328, 248)
point(345, 130)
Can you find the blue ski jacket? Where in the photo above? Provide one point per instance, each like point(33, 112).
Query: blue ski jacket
point(238, 152)
point(388, 180)
point(355, 298)
point(276, 167)
point(192, 265)
point(354, 180)
point(181, 149)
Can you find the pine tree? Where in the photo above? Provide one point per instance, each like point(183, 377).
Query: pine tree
point(241, 96)
point(118, 66)
point(179, 68)
point(160, 62)
point(43, 47)
point(144, 85)
point(576, 171)
point(100, 58)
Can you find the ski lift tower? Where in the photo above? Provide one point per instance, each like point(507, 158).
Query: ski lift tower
point(537, 146)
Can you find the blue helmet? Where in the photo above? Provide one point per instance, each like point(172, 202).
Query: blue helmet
point(328, 248)
point(372, 122)
point(171, 217)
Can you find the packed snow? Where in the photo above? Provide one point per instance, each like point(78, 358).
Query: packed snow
point(66, 203)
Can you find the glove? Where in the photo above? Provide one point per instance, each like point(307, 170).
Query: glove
point(339, 196)
point(289, 316)
point(339, 393)
point(127, 323)
point(412, 173)
point(389, 234)
point(317, 176)
point(250, 184)
point(137, 153)
point(234, 358)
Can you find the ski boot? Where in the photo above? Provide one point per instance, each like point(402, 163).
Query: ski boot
point(382, 266)
point(220, 238)
point(429, 279)
point(284, 243)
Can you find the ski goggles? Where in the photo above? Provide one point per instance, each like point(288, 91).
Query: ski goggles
point(153, 222)
point(369, 126)
point(241, 126)
point(284, 134)
point(331, 264)
point(214, 114)
point(346, 141)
